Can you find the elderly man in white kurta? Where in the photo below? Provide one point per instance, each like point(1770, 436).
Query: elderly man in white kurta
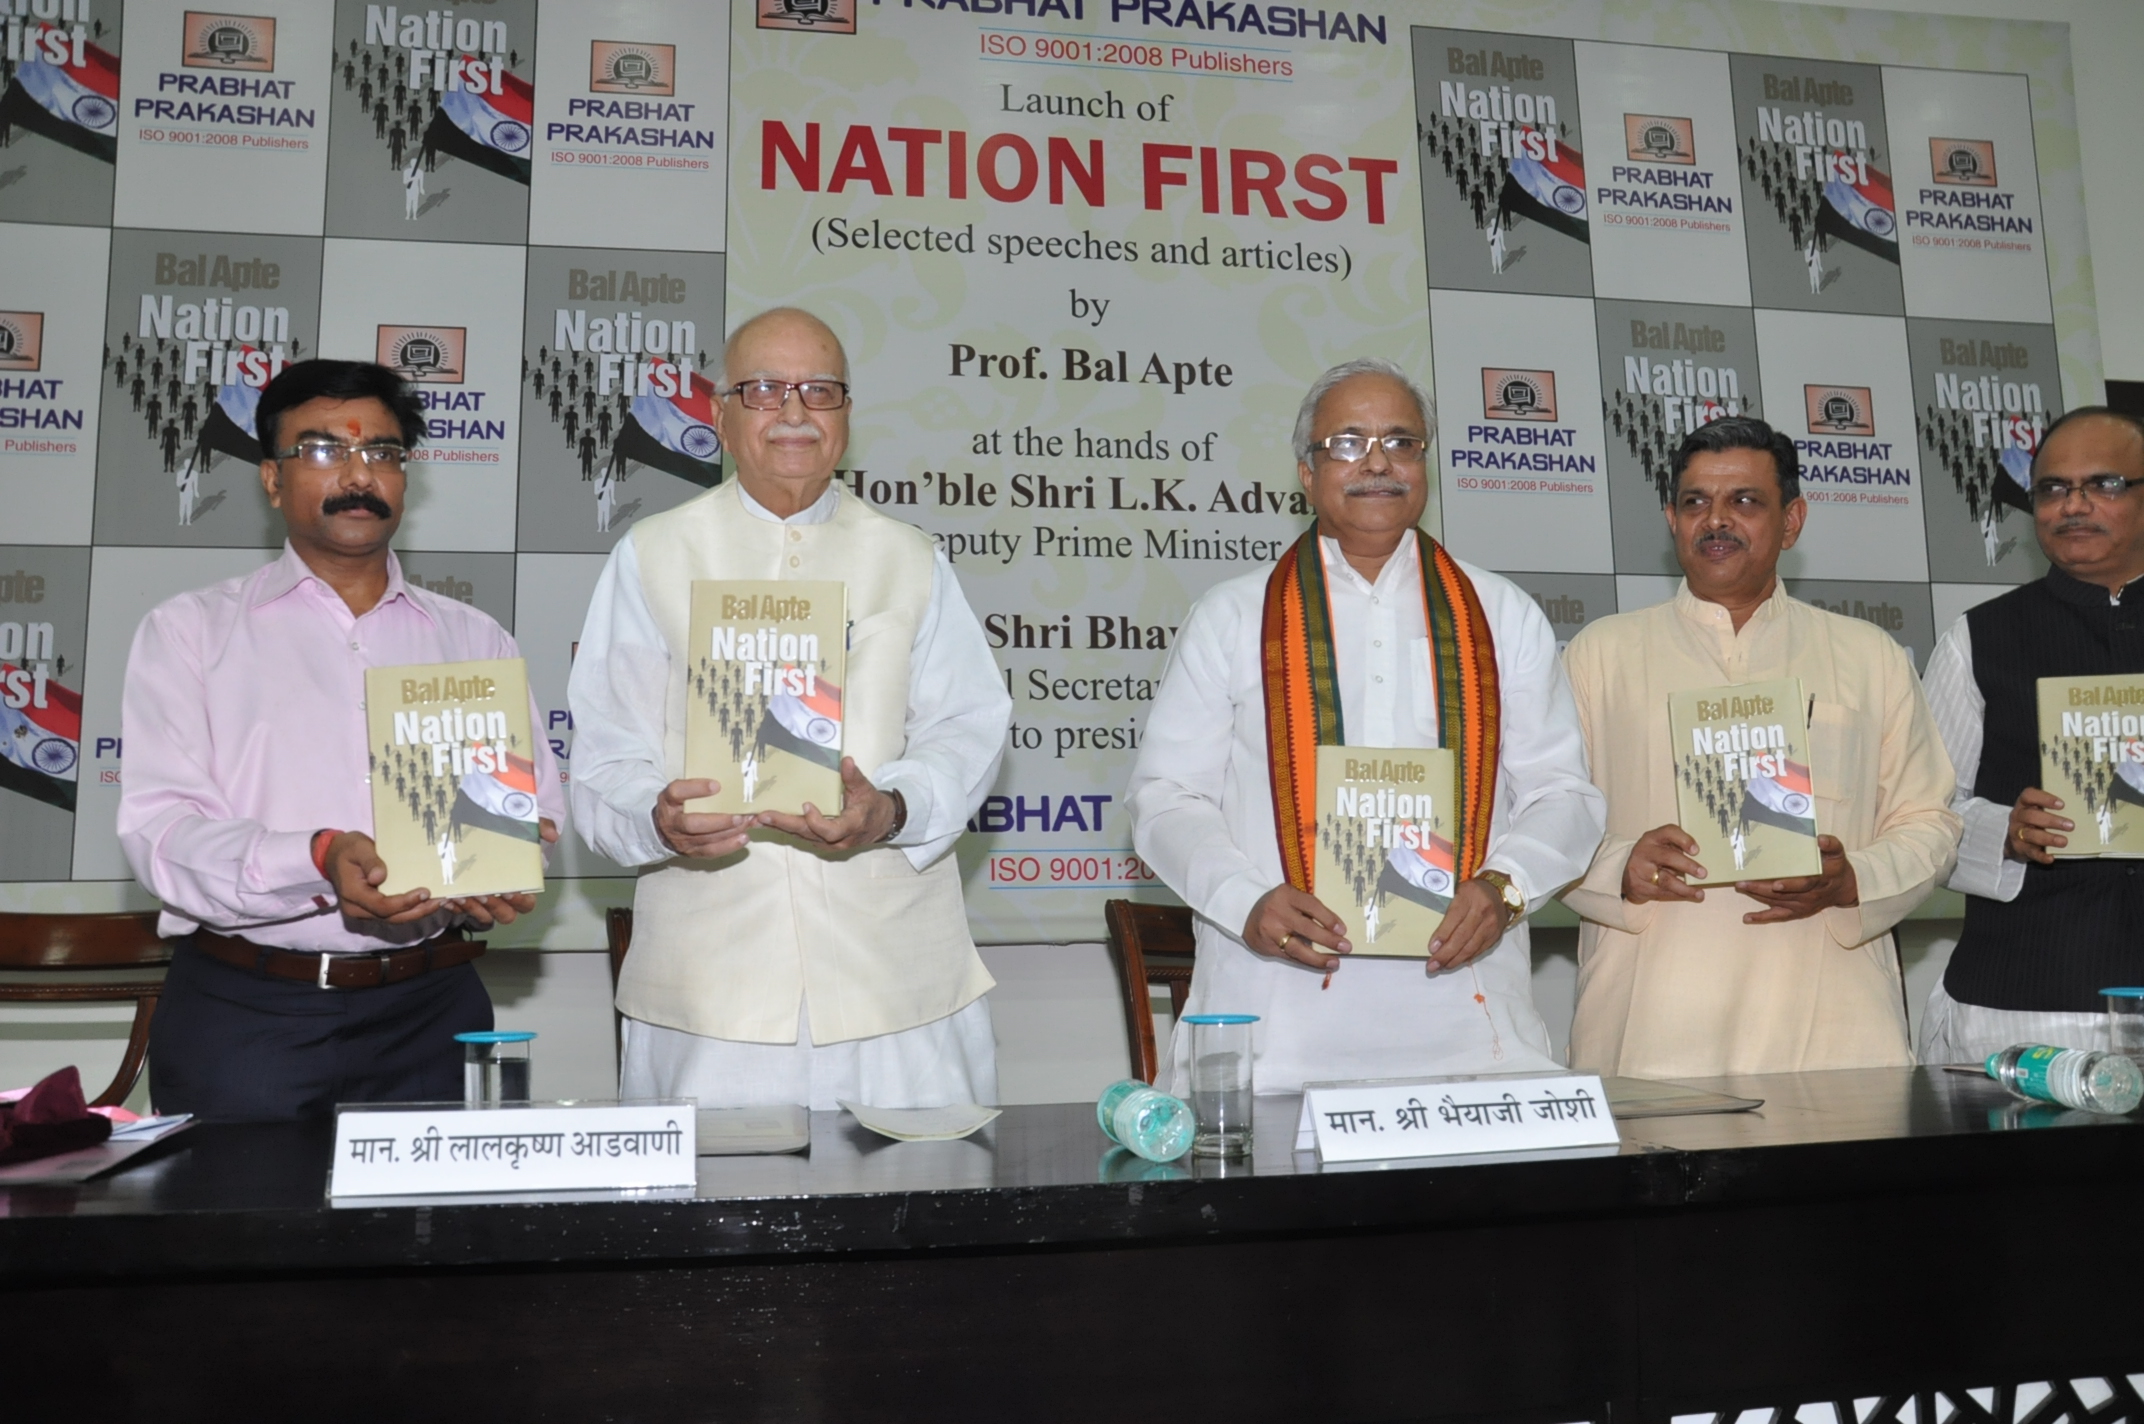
point(1399, 608)
point(794, 959)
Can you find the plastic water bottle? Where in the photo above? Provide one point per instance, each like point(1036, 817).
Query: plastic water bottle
point(1148, 1121)
point(2073, 1077)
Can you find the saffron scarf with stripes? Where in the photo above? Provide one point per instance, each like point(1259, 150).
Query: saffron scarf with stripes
point(1302, 692)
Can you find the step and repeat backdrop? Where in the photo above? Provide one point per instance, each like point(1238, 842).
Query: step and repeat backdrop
point(1086, 256)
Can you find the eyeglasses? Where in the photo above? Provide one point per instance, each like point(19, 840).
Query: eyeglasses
point(2099, 487)
point(324, 454)
point(1347, 449)
point(773, 395)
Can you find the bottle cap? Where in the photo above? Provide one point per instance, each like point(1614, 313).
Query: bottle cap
point(504, 1035)
point(1220, 1018)
point(2123, 993)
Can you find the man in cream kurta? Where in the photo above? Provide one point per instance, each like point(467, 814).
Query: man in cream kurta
point(1202, 800)
point(1768, 976)
point(777, 958)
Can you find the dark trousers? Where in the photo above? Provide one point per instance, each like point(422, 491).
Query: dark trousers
point(231, 1045)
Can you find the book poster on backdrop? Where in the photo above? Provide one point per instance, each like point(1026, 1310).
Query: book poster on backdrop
point(1085, 261)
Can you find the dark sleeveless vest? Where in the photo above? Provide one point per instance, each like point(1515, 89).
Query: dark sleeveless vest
point(2077, 926)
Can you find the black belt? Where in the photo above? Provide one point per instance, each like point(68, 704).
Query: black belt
point(340, 971)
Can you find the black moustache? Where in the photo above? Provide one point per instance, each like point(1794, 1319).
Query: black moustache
point(366, 500)
point(2072, 526)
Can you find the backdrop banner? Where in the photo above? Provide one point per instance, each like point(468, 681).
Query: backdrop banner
point(1086, 257)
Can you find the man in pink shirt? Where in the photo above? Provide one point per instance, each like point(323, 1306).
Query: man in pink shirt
point(296, 984)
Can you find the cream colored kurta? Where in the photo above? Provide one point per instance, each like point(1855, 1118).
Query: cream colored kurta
point(1674, 989)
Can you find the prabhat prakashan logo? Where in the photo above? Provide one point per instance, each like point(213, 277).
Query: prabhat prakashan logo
point(22, 340)
point(1840, 410)
point(1962, 162)
point(1508, 394)
point(629, 67)
point(429, 354)
point(1657, 138)
point(825, 17)
point(215, 41)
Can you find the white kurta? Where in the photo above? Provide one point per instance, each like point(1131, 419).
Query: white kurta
point(955, 715)
point(1202, 816)
point(1952, 1032)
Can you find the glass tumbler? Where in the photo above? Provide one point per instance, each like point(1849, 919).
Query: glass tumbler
point(495, 1067)
point(1221, 1083)
point(2125, 1023)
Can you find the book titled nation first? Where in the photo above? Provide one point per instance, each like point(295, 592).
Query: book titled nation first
point(454, 778)
point(2092, 756)
point(1386, 862)
point(1742, 783)
point(763, 706)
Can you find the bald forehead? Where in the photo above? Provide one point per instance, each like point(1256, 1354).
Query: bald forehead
point(786, 332)
point(2100, 437)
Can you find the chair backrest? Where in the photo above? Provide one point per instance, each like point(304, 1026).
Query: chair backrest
point(1152, 946)
point(618, 930)
point(125, 940)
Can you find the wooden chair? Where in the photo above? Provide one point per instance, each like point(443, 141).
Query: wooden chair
point(618, 929)
point(1152, 947)
point(82, 943)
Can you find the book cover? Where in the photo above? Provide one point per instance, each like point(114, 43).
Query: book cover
point(1742, 789)
point(763, 709)
point(2092, 756)
point(1386, 863)
point(454, 777)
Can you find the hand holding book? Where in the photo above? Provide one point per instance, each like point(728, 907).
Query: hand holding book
point(867, 815)
point(704, 835)
point(1802, 896)
point(355, 871)
point(2036, 832)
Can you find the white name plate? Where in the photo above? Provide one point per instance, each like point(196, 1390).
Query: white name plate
point(1441, 1117)
point(431, 1149)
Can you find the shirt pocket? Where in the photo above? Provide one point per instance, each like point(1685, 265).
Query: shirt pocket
point(1837, 748)
point(1422, 687)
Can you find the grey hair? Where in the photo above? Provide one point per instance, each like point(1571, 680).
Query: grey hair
point(1306, 416)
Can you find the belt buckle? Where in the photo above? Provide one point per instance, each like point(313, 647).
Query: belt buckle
point(325, 960)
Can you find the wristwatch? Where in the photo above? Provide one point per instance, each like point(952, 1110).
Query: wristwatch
point(1514, 902)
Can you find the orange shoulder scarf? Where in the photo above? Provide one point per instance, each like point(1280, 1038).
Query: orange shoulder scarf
point(1303, 695)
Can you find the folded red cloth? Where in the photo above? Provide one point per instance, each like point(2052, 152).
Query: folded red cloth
point(50, 1119)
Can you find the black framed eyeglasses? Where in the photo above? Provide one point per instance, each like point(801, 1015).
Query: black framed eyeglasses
point(2099, 487)
point(1347, 449)
point(321, 453)
point(773, 395)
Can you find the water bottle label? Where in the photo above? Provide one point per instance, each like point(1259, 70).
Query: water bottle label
point(2033, 1067)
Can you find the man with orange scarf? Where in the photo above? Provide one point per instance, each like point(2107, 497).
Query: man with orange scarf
point(1366, 633)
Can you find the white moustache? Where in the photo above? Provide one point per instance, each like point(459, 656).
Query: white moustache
point(806, 430)
point(1376, 484)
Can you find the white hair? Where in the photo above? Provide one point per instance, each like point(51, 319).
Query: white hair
point(1306, 416)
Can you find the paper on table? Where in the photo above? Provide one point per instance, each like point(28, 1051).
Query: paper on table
point(149, 1129)
point(742, 1132)
point(1630, 1098)
point(924, 1124)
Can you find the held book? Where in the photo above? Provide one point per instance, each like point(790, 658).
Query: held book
point(2092, 756)
point(454, 778)
point(1386, 862)
point(1742, 788)
point(763, 700)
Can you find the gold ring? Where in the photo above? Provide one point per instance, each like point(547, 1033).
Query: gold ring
point(1656, 875)
point(1286, 935)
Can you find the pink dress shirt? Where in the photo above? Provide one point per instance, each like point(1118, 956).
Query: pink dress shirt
point(244, 728)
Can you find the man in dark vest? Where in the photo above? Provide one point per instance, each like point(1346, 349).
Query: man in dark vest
point(2042, 936)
